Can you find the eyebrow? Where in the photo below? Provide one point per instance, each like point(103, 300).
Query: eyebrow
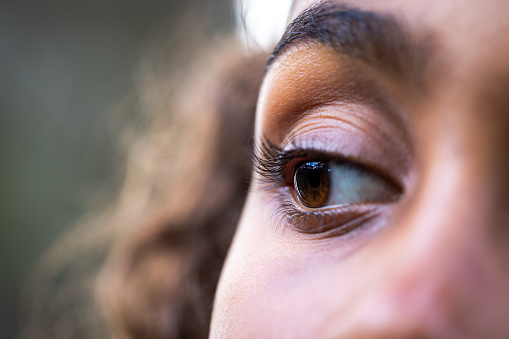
point(377, 40)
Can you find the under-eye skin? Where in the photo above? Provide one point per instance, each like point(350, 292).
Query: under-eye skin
point(322, 193)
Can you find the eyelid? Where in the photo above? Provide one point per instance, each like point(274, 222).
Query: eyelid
point(324, 222)
point(353, 120)
point(354, 133)
point(274, 167)
point(310, 78)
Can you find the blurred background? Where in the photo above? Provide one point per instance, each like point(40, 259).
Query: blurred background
point(64, 65)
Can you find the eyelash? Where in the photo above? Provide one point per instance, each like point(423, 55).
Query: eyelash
point(271, 162)
point(273, 165)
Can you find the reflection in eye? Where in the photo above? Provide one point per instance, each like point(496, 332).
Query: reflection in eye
point(321, 184)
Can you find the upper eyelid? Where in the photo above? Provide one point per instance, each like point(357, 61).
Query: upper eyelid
point(271, 163)
point(338, 89)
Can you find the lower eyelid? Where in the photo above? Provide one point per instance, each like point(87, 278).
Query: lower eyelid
point(326, 222)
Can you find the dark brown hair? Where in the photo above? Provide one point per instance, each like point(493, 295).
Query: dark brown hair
point(154, 256)
point(162, 281)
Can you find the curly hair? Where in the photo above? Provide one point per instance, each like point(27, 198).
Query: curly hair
point(161, 281)
point(154, 256)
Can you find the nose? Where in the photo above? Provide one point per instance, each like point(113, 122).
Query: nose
point(440, 271)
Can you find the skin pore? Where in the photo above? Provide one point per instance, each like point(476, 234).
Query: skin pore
point(429, 121)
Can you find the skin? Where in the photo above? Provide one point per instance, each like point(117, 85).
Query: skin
point(434, 263)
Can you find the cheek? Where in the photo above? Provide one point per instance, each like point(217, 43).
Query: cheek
point(275, 283)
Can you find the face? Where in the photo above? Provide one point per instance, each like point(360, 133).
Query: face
point(379, 206)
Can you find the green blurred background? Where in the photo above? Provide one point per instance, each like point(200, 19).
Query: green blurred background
point(63, 66)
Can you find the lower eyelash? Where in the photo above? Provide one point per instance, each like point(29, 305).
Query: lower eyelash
point(326, 222)
point(271, 162)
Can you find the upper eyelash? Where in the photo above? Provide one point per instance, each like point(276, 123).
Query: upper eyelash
point(271, 162)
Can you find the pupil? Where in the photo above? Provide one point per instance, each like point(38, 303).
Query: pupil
point(314, 179)
point(311, 182)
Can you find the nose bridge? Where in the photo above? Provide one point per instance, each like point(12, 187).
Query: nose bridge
point(439, 265)
point(452, 209)
point(445, 235)
point(439, 274)
point(461, 187)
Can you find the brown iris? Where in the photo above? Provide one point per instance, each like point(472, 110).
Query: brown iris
point(311, 182)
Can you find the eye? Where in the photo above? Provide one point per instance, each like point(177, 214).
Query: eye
point(311, 181)
point(322, 184)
